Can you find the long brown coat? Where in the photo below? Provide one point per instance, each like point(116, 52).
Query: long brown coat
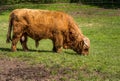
point(44, 24)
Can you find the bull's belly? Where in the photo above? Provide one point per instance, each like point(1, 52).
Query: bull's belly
point(40, 35)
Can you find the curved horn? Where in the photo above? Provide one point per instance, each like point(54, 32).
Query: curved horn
point(86, 41)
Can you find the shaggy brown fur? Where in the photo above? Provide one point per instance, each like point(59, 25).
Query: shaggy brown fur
point(44, 24)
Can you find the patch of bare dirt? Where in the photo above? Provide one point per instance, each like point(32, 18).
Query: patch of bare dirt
point(5, 7)
point(14, 70)
point(17, 70)
point(96, 12)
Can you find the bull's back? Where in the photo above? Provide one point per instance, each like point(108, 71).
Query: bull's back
point(42, 18)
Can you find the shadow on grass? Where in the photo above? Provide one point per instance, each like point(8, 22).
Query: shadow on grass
point(30, 50)
point(70, 53)
point(5, 49)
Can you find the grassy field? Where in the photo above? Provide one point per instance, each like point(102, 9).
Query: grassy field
point(102, 26)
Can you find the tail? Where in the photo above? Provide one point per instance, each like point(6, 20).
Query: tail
point(9, 30)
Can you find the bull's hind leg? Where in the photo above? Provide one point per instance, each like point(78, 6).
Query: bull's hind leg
point(15, 40)
point(58, 43)
point(23, 41)
point(17, 33)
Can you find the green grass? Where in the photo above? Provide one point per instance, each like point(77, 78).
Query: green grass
point(102, 26)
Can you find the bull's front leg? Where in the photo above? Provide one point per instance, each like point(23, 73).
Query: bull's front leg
point(57, 43)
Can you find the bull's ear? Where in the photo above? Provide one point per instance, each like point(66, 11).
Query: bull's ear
point(86, 41)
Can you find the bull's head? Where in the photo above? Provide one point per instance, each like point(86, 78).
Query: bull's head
point(83, 46)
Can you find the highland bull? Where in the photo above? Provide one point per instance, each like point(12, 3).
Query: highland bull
point(44, 24)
